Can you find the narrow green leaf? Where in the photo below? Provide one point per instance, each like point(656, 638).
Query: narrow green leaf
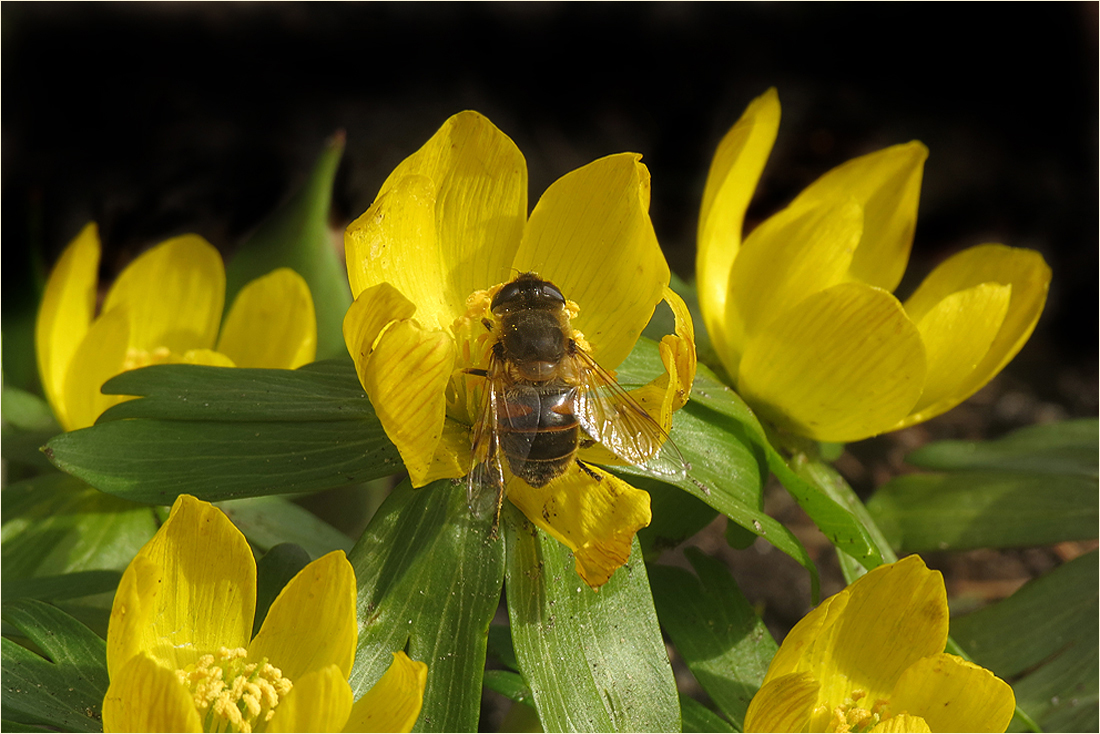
point(28, 423)
point(595, 661)
point(222, 433)
point(723, 641)
point(56, 524)
point(984, 509)
point(1043, 640)
point(500, 645)
point(508, 684)
point(698, 718)
point(269, 521)
point(429, 577)
point(676, 517)
point(66, 688)
point(61, 586)
point(273, 571)
point(297, 236)
point(1068, 448)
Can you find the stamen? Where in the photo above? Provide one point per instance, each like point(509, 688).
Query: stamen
point(232, 695)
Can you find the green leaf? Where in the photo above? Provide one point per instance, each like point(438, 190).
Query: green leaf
point(698, 718)
point(65, 689)
point(273, 571)
point(224, 433)
point(56, 524)
point(297, 236)
point(508, 684)
point(1067, 448)
point(61, 586)
point(500, 645)
point(595, 661)
point(975, 509)
point(28, 424)
point(1043, 640)
point(269, 521)
point(719, 635)
point(429, 576)
point(676, 517)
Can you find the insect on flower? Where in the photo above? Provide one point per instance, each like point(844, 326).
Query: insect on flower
point(546, 397)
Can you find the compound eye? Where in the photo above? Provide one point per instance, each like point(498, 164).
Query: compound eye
point(549, 290)
point(508, 293)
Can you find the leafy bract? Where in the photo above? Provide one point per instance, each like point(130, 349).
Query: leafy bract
point(429, 577)
point(594, 660)
point(63, 690)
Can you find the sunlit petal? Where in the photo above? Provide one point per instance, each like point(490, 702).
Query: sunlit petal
point(783, 704)
point(903, 724)
point(206, 357)
point(174, 295)
point(843, 364)
point(145, 696)
point(957, 334)
point(395, 700)
point(952, 694)
point(271, 323)
point(190, 590)
point(446, 222)
point(319, 701)
point(1029, 276)
point(669, 391)
point(886, 184)
point(794, 254)
point(311, 624)
point(733, 176)
point(65, 315)
point(101, 356)
point(404, 369)
point(590, 235)
point(596, 519)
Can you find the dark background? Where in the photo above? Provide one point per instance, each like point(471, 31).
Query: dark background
point(159, 119)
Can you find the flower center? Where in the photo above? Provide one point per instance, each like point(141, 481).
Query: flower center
point(143, 357)
point(232, 694)
point(852, 716)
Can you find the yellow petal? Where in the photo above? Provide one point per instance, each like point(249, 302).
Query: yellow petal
point(207, 357)
point(174, 295)
point(65, 315)
point(792, 255)
point(319, 701)
point(783, 704)
point(896, 614)
point(271, 323)
point(452, 456)
point(405, 370)
point(733, 176)
point(591, 236)
point(952, 694)
point(901, 724)
point(189, 591)
point(311, 624)
point(670, 391)
point(596, 520)
point(805, 646)
point(957, 334)
point(841, 365)
point(886, 184)
point(446, 222)
point(145, 696)
point(395, 700)
point(101, 356)
point(1029, 276)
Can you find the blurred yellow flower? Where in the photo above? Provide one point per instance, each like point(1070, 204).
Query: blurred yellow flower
point(164, 308)
point(801, 312)
point(450, 227)
point(180, 658)
point(871, 659)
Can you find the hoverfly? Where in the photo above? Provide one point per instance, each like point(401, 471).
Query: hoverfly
point(546, 397)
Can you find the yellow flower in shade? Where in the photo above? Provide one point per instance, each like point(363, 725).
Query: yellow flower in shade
point(179, 653)
point(801, 312)
point(164, 308)
point(871, 659)
point(448, 228)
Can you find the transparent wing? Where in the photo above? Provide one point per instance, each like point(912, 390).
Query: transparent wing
point(611, 417)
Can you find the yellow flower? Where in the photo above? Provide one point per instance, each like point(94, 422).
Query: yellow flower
point(447, 229)
point(871, 659)
point(801, 313)
point(180, 658)
point(164, 308)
